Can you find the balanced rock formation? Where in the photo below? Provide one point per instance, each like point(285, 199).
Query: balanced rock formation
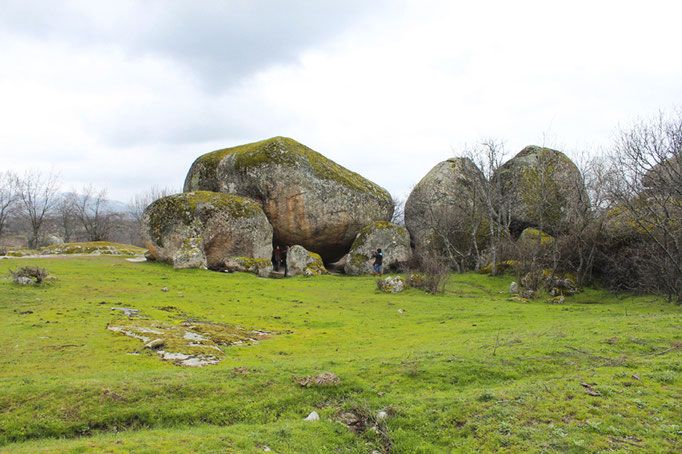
point(442, 205)
point(302, 261)
point(309, 199)
point(543, 188)
point(202, 229)
point(393, 240)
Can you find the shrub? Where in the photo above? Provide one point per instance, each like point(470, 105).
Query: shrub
point(430, 273)
point(29, 275)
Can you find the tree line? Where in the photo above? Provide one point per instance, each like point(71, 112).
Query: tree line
point(34, 212)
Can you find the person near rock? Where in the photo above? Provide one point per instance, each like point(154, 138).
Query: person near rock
point(276, 258)
point(283, 259)
point(378, 257)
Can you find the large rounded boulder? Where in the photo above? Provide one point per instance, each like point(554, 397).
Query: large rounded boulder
point(202, 229)
point(541, 187)
point(445, 205)
point(392, 239)
point(309, 199)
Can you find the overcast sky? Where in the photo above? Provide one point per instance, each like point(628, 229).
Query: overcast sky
point(127, 94)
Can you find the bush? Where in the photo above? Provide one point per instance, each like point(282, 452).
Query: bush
point(430, 273)
point(29, 275)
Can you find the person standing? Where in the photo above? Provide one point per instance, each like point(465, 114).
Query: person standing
point(283, 259)
point(378, 261)
point(277, 258)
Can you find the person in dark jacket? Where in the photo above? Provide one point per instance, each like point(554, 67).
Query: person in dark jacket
point(378, 261)
point(283, 259)
point(277, 258)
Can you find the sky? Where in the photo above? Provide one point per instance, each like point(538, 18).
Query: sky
point(127, 94)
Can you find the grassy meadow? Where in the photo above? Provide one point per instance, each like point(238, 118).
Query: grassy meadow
point(466, 371)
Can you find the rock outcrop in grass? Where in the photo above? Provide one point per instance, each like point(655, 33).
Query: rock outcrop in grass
point(202, 229)
point(393, 240)
point(309, 199)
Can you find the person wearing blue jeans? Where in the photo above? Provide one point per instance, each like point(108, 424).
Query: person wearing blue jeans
point(378, 261)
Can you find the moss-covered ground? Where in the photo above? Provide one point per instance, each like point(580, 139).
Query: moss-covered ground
point(467, 371)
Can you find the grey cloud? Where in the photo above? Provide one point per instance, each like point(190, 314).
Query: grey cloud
point(219, 41)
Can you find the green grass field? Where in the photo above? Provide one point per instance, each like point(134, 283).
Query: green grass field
point(467, 371)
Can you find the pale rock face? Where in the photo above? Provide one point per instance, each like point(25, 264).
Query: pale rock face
point(443, 202)
point(392, 239)
point(543, 188)
point(309, 199)
point(300, 261)
point(203, 229)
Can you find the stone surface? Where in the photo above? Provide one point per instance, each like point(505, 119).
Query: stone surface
point(543, 188)
point(313, 416)
point(309, 199)
point(391, 284)
point(300, 261)
point(393, 240)
point(202, 229)
point(443, 204)
point(259, 267)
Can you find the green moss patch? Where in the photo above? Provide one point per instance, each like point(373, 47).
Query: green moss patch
point(287, 152)
point(187, 207)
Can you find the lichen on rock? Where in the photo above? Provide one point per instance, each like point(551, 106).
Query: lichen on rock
point(392, 239)
point(309, 199)
point(202, 229)
point(300, 261)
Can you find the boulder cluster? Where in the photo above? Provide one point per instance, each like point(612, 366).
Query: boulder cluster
point(238, 202)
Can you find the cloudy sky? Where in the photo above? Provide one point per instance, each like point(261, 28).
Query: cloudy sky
point(127, 94)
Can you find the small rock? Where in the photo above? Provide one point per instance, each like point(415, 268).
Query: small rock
point(154, 344)
point(164, 289)
point(22, 280)
point(401, 311)
point(313, 416)
point(514, 288)
point(636, 377)
point(266, 449)
point(382, 415)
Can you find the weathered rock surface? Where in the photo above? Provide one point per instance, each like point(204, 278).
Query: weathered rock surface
point(393, 240)
point(543, 187)
point(202, 229)
point(442, 204)
point(309, 199)
point(302, 261)
point(259, 267)
point(391, 284)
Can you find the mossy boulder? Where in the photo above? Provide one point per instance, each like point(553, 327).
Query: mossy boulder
point(393, 240)
point(259, 267)
point(202, 229)
point(300, 261)
point(445, 205)
point(542, 187)
point(309, 199)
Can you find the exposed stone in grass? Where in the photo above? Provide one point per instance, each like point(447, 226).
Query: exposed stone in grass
point(391, 284)
point(323, 379)
point(92, 248)
point(309, 199)
point(192, 344)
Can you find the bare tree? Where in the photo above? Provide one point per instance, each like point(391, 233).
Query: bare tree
point(66, 217)
point(489, 156)
point(139, 203)
point(648, 188)
point(8, 198)
point(37, 194)
point(398, 217)
point(90, 207)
